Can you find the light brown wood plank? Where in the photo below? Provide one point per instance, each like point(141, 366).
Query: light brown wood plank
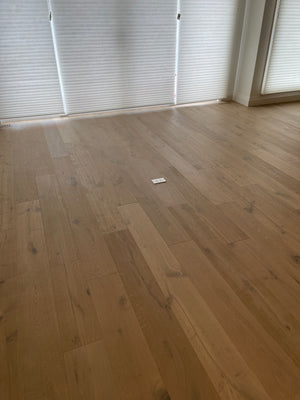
point(93, 253)
point(54, 141)
point(89, 373)
point(266, 239)
point(7, 200)
point(260, 351)
point(31, 158)
point(164, 221)
point(29, 326)
point(85, 167)
point(153, 247)
point(106, 210)
point(229, 372)
point(277, 211)
point(181, 370)
point(8, 254)
point(133, 367)
point(78, 322)
point(209, 213)
point(68, 130)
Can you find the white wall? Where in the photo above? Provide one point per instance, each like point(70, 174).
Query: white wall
point(253, 19)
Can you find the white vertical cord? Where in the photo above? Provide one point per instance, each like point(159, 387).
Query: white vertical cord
point(57, 58)
point(177, 52)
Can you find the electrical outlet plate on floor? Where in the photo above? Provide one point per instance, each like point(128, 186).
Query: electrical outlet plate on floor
point(158, 180)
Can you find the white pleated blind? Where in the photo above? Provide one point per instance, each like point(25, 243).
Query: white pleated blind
point(115, 54)
point(208, 48)
point(283, 67)
point(29, 84)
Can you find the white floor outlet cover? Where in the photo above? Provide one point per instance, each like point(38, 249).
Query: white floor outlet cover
point(158, 180)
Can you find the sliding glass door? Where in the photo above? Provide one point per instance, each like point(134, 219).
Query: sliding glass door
point(282, 72)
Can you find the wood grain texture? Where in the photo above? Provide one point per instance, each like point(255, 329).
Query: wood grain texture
point(89, 373)
point(117, 289)
point(134, 369)
point(75, 310)
point(181, 370)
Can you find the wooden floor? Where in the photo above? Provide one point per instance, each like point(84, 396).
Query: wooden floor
point(114, 288)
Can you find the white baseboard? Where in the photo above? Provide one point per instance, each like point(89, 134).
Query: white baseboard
point(244, 100)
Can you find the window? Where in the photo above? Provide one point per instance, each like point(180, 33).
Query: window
point(29, 84)
point(282, 72)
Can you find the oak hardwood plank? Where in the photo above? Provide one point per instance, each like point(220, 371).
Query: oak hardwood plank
point(7, 196)
point(133, 367)
point(89, 373)
point(93, 253)
point(209, 213)
point(168, 227)
point(33, 353)
point(277, 211)
point(54, 141)
point(105, 209)
point(78, 322)
point(31, 158)
point(260, 227)
point(183, 373)
point(68, 130)
point(8, 254)
point(228, 370)
point(287, 166)
point(153, 247)
point(270, 293)
point(86, 169)
point(253, 343)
